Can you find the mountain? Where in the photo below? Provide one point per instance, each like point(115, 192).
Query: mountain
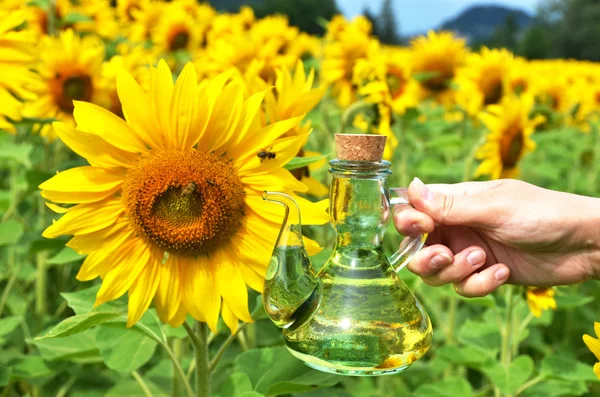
point(478, 23)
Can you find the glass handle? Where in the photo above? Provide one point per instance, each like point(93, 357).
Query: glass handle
point(410, 245)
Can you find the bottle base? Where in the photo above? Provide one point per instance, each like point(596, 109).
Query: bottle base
point(351, 370)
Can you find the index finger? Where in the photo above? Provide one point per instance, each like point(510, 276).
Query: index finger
point(411, 222)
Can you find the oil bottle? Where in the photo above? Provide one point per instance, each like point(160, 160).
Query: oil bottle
point(356, 316)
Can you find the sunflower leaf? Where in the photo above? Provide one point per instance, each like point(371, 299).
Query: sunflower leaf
point(299, 162)
point(66, 255)
point(446, 388)
point(4, 375)
point(74, 17)
point(10, 232)
point(424, 76)
point(274, 371)
point(123, 349)
point(79, 323)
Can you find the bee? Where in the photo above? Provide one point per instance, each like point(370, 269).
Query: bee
point(266, 154)
point(189, 189)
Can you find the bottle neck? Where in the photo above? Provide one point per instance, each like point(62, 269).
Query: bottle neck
point(359, 208)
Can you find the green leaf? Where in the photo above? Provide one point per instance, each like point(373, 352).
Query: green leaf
point(567, 369)
point(124, 349)
point(509, 379)
point(79, 323)
point(250, 394)
point(274, 371)
point(555, 388)
point(79, 347)
point(30, 367)
point(481, 335)
point(424, 76)
point(66, 255)
point(235, 385)
point(82, 302)
point(17, 152)
point(9, 324)
point(463, 355)
point(130, 388)
point(74, 17)
point(299, 162)
point(449, 387)
point(572, 300)
point(4, 375)
point(10, 232)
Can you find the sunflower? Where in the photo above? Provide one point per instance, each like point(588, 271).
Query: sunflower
point(38, 16)
point(510, 137)
point(483, 80)
point(435, 60)
point(177, 30)
point(385, 77)
point(70, 69)
point(341, 54)
point(540, 299)
point(145, 15)
point(293, 96)
point(170, 208)
point(101, 18)
point(594, 345)
point(17, 52)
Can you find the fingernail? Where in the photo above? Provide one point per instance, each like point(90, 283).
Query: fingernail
point(502, 274)
point(476, 258)
point(441, 260)
point(425, 193)
point(418, 227)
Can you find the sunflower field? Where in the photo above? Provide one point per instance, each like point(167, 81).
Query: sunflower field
point(136, 140)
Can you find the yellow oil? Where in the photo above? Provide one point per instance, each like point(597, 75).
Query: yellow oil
point(361, 319)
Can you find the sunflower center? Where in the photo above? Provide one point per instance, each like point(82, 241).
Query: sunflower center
point(396, 82)
point(179, 40)
point(493, 92)
point(511, 147)
point(72, 88)
point(186, 202)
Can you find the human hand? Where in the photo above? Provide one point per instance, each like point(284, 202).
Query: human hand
point(484, 234)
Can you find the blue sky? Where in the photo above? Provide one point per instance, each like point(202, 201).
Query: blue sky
point(417, 16)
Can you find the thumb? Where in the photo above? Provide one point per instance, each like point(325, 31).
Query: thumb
point(458, 204)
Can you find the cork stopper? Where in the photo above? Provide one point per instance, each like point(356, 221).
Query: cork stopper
point(360, 147)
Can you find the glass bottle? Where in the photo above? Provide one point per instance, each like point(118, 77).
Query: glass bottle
point(356, 316)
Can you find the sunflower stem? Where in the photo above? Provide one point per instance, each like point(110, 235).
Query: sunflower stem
point(140, 381)
point(223, 348)
point(40, 261)
point(349, 112)
point(202, 363)
point(403, 155)
point(175, 384)
point(505, 353)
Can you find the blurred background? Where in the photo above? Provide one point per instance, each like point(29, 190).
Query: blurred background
point(535, 29)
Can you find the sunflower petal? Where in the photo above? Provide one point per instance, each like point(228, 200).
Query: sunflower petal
point(229, 318)
point(143, 290)
point(93, 119)
point(231, 285)
point(93, 148)
point(86, 218)
point(200, 295)
point(168, 296)
point(127, 264)
point(137, 110)
point(593, 344)
point(162, 92)
point(184, 106)
point(83, 179)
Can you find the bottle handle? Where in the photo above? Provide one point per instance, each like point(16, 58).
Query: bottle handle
point(410, 245)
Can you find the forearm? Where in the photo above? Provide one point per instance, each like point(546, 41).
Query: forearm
point(588, 233)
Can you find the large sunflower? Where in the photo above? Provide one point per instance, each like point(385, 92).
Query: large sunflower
point(435, 60)
point(17, 52)
point(177, 30)
point(509, 138)
point(70, 69)
point(170, 208)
